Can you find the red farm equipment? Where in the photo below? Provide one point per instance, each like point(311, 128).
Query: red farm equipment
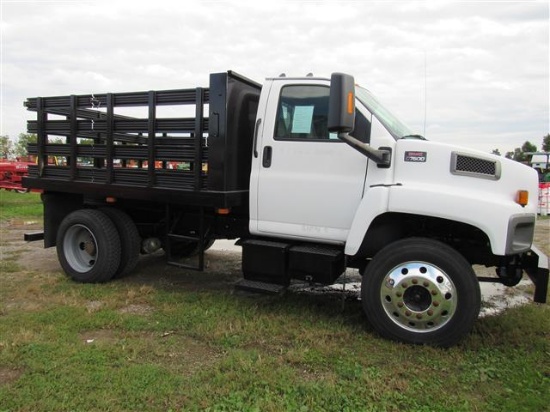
point(11, 174)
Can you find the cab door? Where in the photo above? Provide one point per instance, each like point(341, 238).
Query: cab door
point(305, 183)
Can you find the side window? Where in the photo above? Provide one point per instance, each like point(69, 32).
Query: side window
point(302, 114)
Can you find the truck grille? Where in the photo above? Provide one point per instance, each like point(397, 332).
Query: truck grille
point(468, 165)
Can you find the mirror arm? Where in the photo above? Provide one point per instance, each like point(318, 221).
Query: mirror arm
point(381, 157)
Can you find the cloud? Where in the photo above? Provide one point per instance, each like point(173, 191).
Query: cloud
point(480, 68)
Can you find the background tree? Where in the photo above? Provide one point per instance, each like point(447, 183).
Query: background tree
point(528, 147)
point(496, 152)
point(546, 143)
point(21, 145)
point(6, 147)
point(519, 153)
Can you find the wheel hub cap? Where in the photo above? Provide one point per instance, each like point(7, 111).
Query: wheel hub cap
point(80, 248)
point(418, 296)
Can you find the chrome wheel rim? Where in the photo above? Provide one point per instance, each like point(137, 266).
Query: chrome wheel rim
point(418, 296)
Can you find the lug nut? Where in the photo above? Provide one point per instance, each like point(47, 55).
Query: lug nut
point(415, 281)
point(436, 304)
point(408, 313)
point(430, 312)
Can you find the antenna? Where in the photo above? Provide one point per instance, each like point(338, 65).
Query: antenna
point(425, 89)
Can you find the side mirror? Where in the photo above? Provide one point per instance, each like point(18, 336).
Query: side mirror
point(341, 112)
point(341, 118)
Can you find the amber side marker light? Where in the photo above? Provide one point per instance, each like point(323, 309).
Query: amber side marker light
point(351, 101)
point(223, 211)
point(522, 197)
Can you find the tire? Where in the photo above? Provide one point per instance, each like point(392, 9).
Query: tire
point(88, 246)
point(130, 240)
point(421, 291)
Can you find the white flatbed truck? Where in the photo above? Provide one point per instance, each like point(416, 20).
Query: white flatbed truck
point(312, 175)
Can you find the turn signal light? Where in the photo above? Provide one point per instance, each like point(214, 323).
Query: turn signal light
point(351, 101)
point(522, 197)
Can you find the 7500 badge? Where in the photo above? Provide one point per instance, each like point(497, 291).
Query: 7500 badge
point(419, 157)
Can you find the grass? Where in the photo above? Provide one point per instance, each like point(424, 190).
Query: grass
point(156, 344)
point(220, 351)
point(19, 205)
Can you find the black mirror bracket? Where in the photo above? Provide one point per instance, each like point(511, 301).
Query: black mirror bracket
point(381, 156)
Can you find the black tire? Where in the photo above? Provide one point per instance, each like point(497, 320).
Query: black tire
point(421, 291)
point(88, 246)
point(130, 241)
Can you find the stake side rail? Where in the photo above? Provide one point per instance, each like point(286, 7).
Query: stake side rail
point(155, 139)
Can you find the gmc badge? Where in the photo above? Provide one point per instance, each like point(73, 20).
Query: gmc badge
point(417, 157)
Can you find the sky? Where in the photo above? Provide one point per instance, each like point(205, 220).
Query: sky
point(473, 73)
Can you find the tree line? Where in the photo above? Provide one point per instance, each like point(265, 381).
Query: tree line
point(523, 153)
point(10, 149)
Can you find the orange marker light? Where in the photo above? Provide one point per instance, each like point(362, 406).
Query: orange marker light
point(350, 103)
point(223, 211)
point(522, 197)
point(110, 199)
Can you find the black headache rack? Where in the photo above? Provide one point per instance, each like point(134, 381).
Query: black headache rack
point(155, 145)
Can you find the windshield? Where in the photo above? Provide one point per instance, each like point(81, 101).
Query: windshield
point(395, 126)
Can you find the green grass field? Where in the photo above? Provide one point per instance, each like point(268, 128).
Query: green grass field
point(15, 205)
point(163, 345)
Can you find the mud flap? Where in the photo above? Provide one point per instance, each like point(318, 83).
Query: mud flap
point(535, 264)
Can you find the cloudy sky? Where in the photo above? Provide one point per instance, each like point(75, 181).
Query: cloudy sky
point(474, 73)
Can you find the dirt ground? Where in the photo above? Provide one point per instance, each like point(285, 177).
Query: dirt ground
point(223, 267)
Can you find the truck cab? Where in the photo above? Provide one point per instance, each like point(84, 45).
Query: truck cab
point(307, 184)
point(411, 214)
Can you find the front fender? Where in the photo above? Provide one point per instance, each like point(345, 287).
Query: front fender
point(508, 228)
point(373, 204)
point(496, 217)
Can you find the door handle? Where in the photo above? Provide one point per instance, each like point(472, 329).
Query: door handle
point(266, 158)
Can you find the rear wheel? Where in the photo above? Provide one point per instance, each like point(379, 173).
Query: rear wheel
point(421, 291)
point(130, 241)
point(88, 246)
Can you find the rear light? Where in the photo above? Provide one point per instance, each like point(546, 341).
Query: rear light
point(522, 197)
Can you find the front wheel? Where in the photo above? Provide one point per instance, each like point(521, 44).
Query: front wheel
point(421, 291)
point(88, 246)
